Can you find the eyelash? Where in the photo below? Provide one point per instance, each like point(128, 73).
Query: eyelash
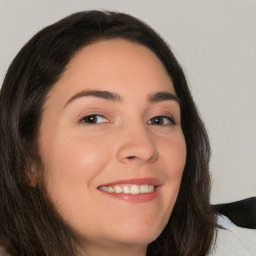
point(93, 117)
point(170, 120)
point(156, 120)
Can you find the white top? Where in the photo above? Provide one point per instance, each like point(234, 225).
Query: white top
point(233, 240)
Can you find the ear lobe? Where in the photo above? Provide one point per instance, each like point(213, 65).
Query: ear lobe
point(31, 176)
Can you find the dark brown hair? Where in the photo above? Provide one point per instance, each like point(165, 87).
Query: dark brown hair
point(29, 224)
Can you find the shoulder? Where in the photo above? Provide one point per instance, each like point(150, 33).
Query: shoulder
point(233, 240)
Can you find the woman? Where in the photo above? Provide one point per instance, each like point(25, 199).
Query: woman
point(102, 148)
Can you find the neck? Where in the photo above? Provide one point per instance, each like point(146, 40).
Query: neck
point(114, 250)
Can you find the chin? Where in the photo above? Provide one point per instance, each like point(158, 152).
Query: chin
point(142, 235)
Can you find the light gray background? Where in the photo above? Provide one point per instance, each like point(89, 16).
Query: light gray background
point(215, 41)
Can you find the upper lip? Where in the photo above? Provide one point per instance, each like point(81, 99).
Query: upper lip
point(137, 181)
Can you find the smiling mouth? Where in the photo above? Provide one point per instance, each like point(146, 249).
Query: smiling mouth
point(132, 189)
point(137, 190)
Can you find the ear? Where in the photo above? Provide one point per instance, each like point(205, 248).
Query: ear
point(31, 178)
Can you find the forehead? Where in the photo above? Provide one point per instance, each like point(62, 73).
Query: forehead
point(115, 65)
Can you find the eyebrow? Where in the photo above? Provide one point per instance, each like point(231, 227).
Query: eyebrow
point(163, 96)
point(115, 97)
point(106, 95)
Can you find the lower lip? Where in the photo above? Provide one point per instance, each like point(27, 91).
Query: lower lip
point(137, 198)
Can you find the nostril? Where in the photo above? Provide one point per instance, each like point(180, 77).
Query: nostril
point(131, 157)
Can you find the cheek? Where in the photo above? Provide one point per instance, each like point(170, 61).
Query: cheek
point(174, 153)
point(71, 165)
point(71, 162)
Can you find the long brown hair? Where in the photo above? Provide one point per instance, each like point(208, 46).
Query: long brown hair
point(29, 224)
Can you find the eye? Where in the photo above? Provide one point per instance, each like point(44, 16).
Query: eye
point(162, 120)
point(94, 119)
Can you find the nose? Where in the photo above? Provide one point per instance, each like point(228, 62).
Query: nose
point(137, 146)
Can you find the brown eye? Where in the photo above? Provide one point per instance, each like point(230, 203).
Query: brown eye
point(94, 119)
point(162, 120)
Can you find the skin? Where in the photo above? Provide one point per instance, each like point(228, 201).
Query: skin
point(124, 143)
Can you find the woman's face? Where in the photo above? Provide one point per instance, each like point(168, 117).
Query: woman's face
point(112, 145)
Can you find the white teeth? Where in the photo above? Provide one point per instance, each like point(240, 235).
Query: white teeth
point(104, 188)
point(110, 190)
point(135, 189)
point(129, 189)
point(126, 190)
point(151, 188)
point(144, 189)
point(118, 189)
